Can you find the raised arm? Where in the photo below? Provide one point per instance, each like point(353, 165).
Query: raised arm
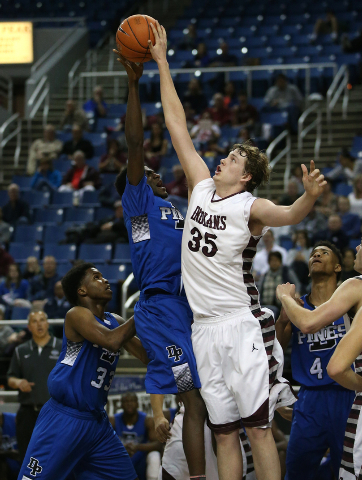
point(134, 345)
point(134, 125)
point(265, 213)
point(348, 349)
point(80, 324)
point(344, 298)
point(194, 167)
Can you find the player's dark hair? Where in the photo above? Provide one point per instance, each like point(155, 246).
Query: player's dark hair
point(277, 255)
point(120, 182)
point(72, 280)
point(257, 164)
point(335, 250)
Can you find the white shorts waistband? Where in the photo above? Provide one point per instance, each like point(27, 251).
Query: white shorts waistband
point(222, 318)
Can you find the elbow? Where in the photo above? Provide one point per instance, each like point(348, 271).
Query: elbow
point(307, 329)
point(334, 370)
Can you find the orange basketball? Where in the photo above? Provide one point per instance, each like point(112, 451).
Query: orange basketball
point(132, 38)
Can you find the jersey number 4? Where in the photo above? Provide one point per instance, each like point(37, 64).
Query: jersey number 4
point(316, 368)
point(102, 375)
point(209, 250)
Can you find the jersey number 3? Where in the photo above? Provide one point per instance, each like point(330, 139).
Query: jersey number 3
point(209, 250)
point(102, 375)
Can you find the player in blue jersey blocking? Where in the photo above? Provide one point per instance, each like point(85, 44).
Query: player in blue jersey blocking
point(73, 433)
point(163, 317)
point(321, 412)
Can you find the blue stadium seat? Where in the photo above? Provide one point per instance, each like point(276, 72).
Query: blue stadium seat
point(309, 50)
point(36, 199)
point(63, 268)
point(356, 146)
point(254, 42)
point(182, 56)
point(4, 197)
point(278, 41)
point(100, 149)
point(122, 253)
point(28, 234)
point(108, 178)
point(81, 215)
point(103, 123)
point(246, 31)
point(62, 253)
point(54, 233)
point(153, 108)
point(258, 103)
point(90, 199)
point(227, 133)
point(116, 110)
point(277, 119)
point(268, 30)
point(343, 189)
point(93, 162)
point(62, 165)
point(274, 20)
point(23, 181)
point(100, 253)
point(20, 251)
point(19, 313)
point(95, 138)
point(286, 242)
point(62, 200)
point(63, 136)
point(114, 272)
point(168, 161)
point(113, 306)
point(48, 216)
point(300, 39)
point(354, 242)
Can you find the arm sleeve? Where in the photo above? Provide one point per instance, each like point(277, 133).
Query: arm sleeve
point(15, 369)
point(138, 199)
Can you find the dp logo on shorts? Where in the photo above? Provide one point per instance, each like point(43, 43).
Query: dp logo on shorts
point(174, 352)
point(34, 467)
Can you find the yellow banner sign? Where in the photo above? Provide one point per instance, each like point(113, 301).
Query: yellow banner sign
point(16, 42)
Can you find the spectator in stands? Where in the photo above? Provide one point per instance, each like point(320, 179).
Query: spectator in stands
point(205, 130)
point(287, 97)
point(298, 258)
point(292, 194)
point(355, 198)
point(155, 147)
point(347, 169)
point(5, 230)
point(243, 114)
point(32, 268)
point(327, 25)
point(110, 229)
point(72, 115)
point(14, 288)
point(114, 159)
point(202, 58)
point(333, 232)
point(297, 176)
point(17, 209)
point(48, 146)
point(212, 149)
point(80, 178)
point(42, 285)
point(96, 107)
point(313, 222)
point(9, 339)
point(230, 98)
point(189, 41)
point(5, 261)
point(351, 223)
point(195, 97)
point(224, 59)
point(261, 258)
point(276, 274)
point(178, 186)
point(190, 115)
point(243, 136)
point(353, 45)
point(46, 178)
point(78, 143)
point(348, 259)
point(327, 202)
point(56, 307)
point(218, 112)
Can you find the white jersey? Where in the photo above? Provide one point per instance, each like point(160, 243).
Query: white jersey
point(217, 252)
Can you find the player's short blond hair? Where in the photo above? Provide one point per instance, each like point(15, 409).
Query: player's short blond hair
point(257, 164)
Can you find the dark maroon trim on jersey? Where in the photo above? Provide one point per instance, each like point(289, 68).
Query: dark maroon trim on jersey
point(351, 428)
point(225, 427)
point(221, 199)
point(166, 475)
point(259, 418)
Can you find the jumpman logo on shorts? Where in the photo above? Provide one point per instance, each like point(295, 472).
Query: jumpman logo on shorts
point(254, 348)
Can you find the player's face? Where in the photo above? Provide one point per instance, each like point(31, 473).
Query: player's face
point(358, 260)
point(231, 170)
point(96, 287)
point(130, 404)
point(322, 261)
point(155, 182)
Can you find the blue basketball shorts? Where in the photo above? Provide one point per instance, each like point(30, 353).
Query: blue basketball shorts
point(319, 422)
point(163, 324)
point(66, 440)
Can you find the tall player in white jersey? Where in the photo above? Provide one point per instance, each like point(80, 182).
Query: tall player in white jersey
point(238, 357)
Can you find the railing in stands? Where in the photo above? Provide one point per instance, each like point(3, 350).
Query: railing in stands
point(39, 97)
point(10, 122)
point(6, 92)
point(286, 152)
point(317, 123)
point(87, 78)
point(338, 86)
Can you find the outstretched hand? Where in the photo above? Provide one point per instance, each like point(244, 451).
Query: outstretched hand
point(159, 49)
point(134, 70)
point(314, 181)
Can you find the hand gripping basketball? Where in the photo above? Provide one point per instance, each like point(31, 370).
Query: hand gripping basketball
point(133, 70)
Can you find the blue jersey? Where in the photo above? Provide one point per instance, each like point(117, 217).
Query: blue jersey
point(8, 439)
point(155, 229)
point(82, 377)
point(311, 352)
point(136, 433)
